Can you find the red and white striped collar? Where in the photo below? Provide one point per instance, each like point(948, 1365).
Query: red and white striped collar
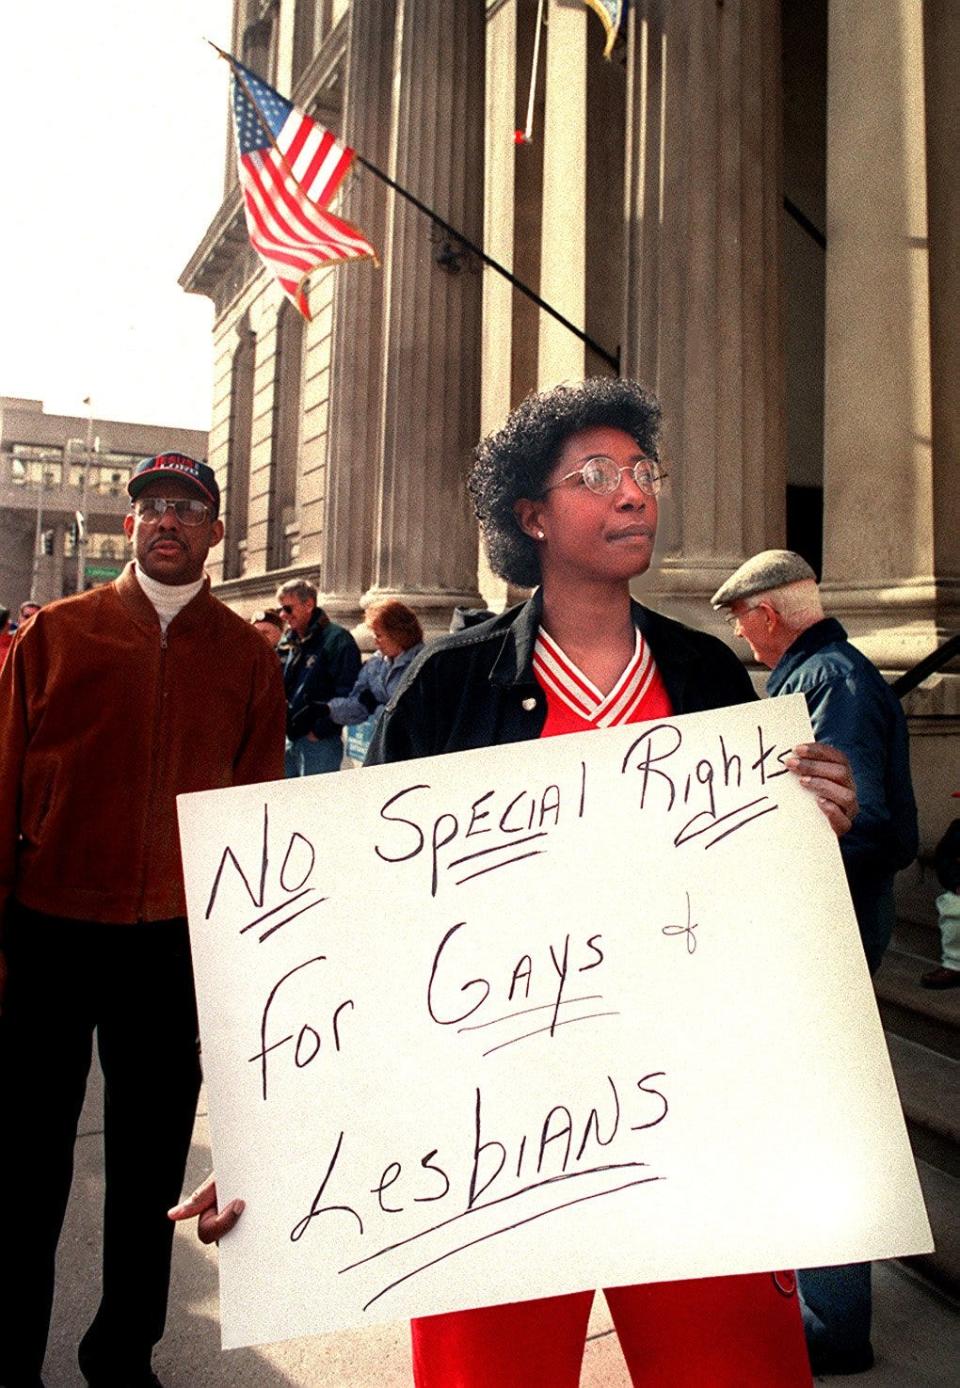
point(563, 680)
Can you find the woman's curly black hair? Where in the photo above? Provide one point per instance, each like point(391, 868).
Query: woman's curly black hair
point(517, 459)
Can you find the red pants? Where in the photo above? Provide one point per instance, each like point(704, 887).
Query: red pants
point(717, 1332)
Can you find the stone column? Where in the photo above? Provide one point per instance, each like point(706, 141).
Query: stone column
point(877, 451)
point(285, 21)
point(702, 304)
point(499, 230)
point(563, 270)
point(353, 447)
point(425, 535)
point(942, 91)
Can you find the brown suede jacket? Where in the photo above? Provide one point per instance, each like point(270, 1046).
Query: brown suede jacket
point(104, 720)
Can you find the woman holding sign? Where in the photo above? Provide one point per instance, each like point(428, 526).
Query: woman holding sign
point(567, 496)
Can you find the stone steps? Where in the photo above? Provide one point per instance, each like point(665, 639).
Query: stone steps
point(929, 1085)
point(919, 1014)
point(920, 939)
point(942, 1195)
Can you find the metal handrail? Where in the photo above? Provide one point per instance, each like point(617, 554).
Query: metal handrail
point(934, 661)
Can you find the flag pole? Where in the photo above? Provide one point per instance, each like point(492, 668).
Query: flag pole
point(610, 358)
point(534, 67)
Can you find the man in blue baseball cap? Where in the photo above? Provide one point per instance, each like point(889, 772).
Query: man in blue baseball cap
point(178, 467)
point(113, 702)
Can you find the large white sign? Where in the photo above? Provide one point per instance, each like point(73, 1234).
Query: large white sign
point(575, 1013)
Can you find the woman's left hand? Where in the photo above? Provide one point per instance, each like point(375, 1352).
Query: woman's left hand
point(212, 1223)
point(826, 771)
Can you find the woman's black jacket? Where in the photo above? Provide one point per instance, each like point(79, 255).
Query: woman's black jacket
point(477, 688)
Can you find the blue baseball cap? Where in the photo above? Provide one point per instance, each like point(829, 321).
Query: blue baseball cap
point(199, 475)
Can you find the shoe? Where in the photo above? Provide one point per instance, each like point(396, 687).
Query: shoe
point(941, 978)
point(119, 1369)
point(825, 1362)
point(108, 1376)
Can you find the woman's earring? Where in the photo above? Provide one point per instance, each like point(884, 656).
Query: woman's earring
point(539, 534)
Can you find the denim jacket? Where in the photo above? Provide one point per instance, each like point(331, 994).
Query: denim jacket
point(376, 683)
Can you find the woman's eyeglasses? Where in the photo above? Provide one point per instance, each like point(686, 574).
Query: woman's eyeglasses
point(603, 476)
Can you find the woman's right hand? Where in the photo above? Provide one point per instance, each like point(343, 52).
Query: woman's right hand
point(212, 1223)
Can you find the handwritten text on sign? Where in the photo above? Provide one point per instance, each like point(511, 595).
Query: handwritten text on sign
point(574, 1013)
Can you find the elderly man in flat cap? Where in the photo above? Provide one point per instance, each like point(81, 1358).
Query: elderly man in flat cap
point(112, 704)
point(773, 603)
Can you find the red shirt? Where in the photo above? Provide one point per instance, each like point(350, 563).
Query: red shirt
point(575, 705)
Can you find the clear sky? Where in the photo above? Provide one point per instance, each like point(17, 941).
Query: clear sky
point(115, 120)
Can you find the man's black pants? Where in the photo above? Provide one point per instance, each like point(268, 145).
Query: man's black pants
point(134, 985)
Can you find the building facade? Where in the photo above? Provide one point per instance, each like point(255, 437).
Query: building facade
point(751, 208)
point(55, 468)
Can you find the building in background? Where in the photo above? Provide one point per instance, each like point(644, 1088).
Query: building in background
point(54, 469)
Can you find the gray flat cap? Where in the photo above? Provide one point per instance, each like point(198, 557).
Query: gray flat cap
point(772, 568)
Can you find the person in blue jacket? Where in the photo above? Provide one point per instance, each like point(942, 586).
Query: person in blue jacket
point(399, 639)
point(773, 603)
point(321, 661)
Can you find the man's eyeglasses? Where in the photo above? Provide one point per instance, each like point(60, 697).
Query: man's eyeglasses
point(603, 476)
point(285, 608)
point(188, 511)
point(733, 619)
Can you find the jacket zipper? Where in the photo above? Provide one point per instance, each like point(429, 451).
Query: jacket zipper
point(151, 794)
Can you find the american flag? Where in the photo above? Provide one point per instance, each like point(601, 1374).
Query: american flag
point(290, 169)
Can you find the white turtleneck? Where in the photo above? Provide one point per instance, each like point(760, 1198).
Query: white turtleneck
point(167, 598)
